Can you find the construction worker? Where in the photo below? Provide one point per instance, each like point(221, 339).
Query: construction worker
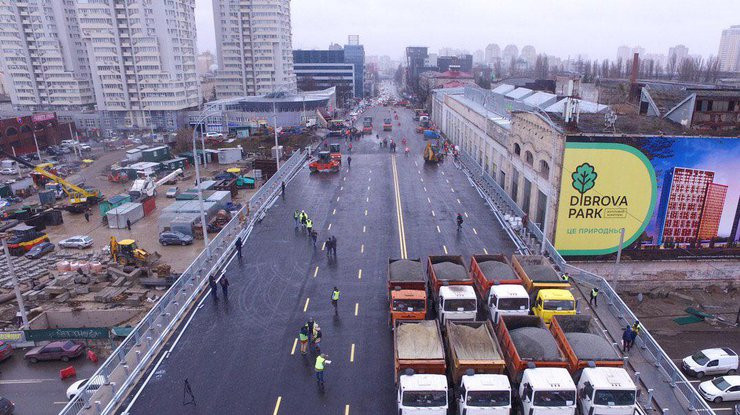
point(225, 285)
point(296, 217)
point(627, 339)
point(316, 335)
point(459, 221)
point(334, 246)
point(335, 300)
point(314, 236)
point(238, 247)
point(565, 277)
point(309, 226)
point(594, 294)
point(214, 287)
point(303, 338)
point(309, 327)
point(349, 162)
point(321, 362)
point(327, 246)
point(636, 327)
point(304, 218)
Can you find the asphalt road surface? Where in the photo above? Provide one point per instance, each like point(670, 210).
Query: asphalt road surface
point(240, 355)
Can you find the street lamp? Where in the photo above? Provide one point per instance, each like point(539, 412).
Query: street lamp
point(201, 118)
point(16, 288)
point(274, 129)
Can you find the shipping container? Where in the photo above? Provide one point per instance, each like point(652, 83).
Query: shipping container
point(145, 167)
point(117, 217)
point(229, 155)
point(156, 154)
point(221, 198)
point(176, 163)
point(47, 197)
point(113, 202)
point(227, 184)
point(133, 155)
point(149, 204)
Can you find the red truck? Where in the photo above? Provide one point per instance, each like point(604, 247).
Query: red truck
point(452, 288)
point(407, 336)
point(583, 342)
point(407, 290)
point(519, 354)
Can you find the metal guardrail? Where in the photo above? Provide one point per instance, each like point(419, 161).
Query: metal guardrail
point(618, 308)
point(110, 383)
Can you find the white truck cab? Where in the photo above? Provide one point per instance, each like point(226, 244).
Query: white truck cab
point(422, 394)
point(716, 361)
point(457, 302)
point(547, 390)
point(507, 299)
point(606, 391)
point(484, 395)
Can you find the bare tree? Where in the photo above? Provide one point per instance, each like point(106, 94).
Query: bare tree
point(671, 67)
point(497, 70)
point(512, 66)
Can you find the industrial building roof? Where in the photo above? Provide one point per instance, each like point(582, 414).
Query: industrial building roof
point(503, 89)
point(583, 106)
point(519, 93)
point(541, 99)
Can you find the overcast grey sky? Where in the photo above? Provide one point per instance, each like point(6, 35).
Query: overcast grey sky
point(556, 27)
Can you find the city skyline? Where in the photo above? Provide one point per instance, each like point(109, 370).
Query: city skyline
point(599, 29)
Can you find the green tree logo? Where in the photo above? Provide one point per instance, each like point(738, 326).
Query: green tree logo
point(584, 178)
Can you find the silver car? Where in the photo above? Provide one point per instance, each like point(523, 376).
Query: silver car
point(77, 242)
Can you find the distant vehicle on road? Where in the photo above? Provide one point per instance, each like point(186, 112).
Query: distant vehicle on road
point(77, 242)
point(172, 192)
point(175, 238)
point(59, 350)
point(75, 388)
point(40, 250)
point(8, 171)
point(723, 388)
point(6, 350)
point(716, 361)
point(6, 406)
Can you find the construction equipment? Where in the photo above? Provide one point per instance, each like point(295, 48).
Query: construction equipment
point(23, 237)
point(424, 124)
point(324, 163)
point(79, 198)
point(146, 186)
point(433, 153)
point(336, 152)
point(127, 252)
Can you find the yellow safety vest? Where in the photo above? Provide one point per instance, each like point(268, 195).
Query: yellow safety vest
point(319, 363)
point(335, 295)
point(594, 293)
point(309, 223)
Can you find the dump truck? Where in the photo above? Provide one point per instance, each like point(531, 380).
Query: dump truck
point(407, 290)
point(498, 286)
point(420, 368)
point(367, 125)
point(451, 288)
point(549, 294)
point(536, 366)
point(475, 366)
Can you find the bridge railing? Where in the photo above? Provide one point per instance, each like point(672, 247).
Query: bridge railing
point(617, 307)
point(111, 382)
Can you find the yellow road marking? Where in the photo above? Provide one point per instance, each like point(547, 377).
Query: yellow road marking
point(337, 198)
point(368, 188)
point(305, 306)
point(316, 271)
point(362, 248)
point(466, 214)
point(357, 307)
point(277, 405)
point(367, 199)
point(425, 188)
point(416, 164)
point(475, 232)
point(334, 212)
point(371, 170)
point(445, 248)
point(359, 274)
point(443, 173)
point(344, 179)
point(429, 200)
point(422, 180)
point(346, 409)
point(453, 190)
point(352, 353)
point(341, 188)
point(438, 231)
point(369, 178)
point(433, 213)
point(399, 210)
point(485, 251)
point(295, 342)
point(323, 245)
point(448, 182)
point(329, 228)
point(419, 171)
point(365, 212)
point(363, 228)
point(458, 201)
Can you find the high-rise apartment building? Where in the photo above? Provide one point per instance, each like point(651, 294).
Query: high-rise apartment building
point(354, 53)
point(255, 54)
point(729, 50)
point(43, 58)
point(677, 54)
point(143, 59)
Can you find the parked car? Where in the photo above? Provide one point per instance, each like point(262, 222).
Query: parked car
point(172, 192)
point(85, 147)
point(6, 406)
point(716, 361)
point(6, 350)
point(214, 135)
point(8, 171)
point(60, 350)
point(723, 388)
point(174, 238)
point(40, 250)
point(75, 388)
point(77, 242)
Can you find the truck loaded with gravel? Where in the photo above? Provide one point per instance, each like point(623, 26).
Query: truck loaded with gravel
point(596, 365)
point(549, 294)
point(536, 366)
point(420, 368)
point(498, 286)
point(451, 288)
point(475, 366)
point(407, 290)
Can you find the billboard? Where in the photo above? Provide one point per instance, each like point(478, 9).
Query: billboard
point(663, 191)
point(43, 116)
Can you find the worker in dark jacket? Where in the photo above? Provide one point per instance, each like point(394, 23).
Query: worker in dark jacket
point(627, 339)
point(214, 287)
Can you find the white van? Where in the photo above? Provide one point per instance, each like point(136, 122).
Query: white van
point(717, 361)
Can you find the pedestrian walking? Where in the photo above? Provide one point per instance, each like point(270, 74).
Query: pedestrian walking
point(349, 162)
point(214, 287)
point(627, 339)
point(304, 218)
point(321, 362)
point(238, 247)
point(316, 336)
point(309, 226)
point(296, 217)
point(309, 327)
point(282, 189)
point(334, 246)
point(224, 285)
point(87, 216)
point(303, 338)
point(128, 224)
point(335, 300)
point(594, 294)
point(314, 236)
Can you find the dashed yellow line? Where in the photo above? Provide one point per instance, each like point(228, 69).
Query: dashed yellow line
point(362, 248)
point(305, 306)
point(443, 173)
point(365, 212)
point(359, 274)
point(277, 405)
point(341, 188)
point(334, 212)
point(316, 271)
point(438, 230)
point(295, 342)
point(346, 409)
point(453, 190)
point(329, 228)
point(466, 214)
point(458, 201)
point(357, 308)
point(399, 210)
point(368, 188)
point(363, 229)
point(323, 245)
point(337, 198)
point(369, 179)
point(367, 199)
point(419, 171)
point(344, 179)
point(485, 251)
point(445, 248)
point(475, 232)
point(425, 188)
point(448, 182)
point(352, 354)
point(433, 214)
point(429, 200)
point(422, 180)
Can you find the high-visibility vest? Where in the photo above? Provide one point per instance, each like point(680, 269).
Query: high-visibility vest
point(302, 337)
point(296, 214)
point(335, 295)
point(319, 363)
point(566, 277)
point(309, 223)
point(594, 293)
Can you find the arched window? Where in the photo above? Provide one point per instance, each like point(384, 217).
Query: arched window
point(11, 132)
point(544, 169)
point(25, 129)
point(517, 149)
point(529, 158)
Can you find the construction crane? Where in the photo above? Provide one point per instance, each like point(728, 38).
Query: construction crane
point(79, 198)
point(146, 186)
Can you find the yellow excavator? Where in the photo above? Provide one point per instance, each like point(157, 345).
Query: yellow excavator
point(127, 252)
point(79, 198)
